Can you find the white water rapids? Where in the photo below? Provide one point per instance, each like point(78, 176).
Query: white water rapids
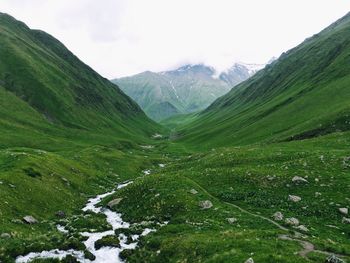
point(104, 254)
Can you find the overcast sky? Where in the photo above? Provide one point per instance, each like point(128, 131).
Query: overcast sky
point(124, 37)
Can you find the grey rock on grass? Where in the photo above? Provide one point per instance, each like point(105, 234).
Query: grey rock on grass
point(30, 220)
point(292, 221)
point(299, 179)
point(231, 220)
point(114, 202)
point(205, 204)
point(278, 216)
point(294, 198)
point(193, 191)
point(344, 210)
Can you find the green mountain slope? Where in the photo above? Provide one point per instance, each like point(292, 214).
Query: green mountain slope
point(52, 90)
point(304, 93)
point(65, 134)
point(187, 89)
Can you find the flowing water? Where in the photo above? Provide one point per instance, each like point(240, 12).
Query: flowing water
point(104, 254)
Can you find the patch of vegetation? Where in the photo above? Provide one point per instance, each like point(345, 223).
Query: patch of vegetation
point(107, 241)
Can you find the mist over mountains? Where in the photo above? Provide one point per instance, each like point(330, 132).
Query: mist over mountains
point(189, 88)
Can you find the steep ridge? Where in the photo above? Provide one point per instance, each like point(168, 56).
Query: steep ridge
point(302, 94)
point(52, 90)
point(188, 89)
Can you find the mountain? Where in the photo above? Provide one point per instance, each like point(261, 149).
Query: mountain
point(305, 93)
point(47, 89)
point(187, 89)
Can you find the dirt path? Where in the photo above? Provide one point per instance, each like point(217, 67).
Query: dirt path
point(308, 247)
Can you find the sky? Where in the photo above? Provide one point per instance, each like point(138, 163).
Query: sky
point(124, 37)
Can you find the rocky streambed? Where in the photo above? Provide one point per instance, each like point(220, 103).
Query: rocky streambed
point(105, 254)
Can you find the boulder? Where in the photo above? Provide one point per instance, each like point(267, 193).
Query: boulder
point(346, 220)
point(193, 191)
point(231, 220)
point(114, 202)
point(344, 210)
point(278, 216)
point(205, 204)
point(5, 235)
point(334, 259)
point(302, 228)
point(292, 221)
point(298, 179)
point(294, 198)
point(249, 260)
point(30, 220)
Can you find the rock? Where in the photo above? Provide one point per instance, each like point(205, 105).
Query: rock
point(30, 220)
point(344, 210)
point(114, 202)
point(317, 194)
point(334, 259)
point(294, 198)
point(60, 214)
point(278, 216)
point(231, 220)
point(346, 220)
point(249, 260)
point(270, 178)
point(302, 228)
point(5, 235)
point(292, 221)
point(193, 191)
point(205, 204)
point(298, 179)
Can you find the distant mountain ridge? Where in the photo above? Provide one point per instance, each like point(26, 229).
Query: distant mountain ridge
point(187, 89)
point(303, 94)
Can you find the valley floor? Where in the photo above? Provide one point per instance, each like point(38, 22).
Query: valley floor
point(221, 204)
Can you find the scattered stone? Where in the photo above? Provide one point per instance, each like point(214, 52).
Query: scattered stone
point(60, 214)
point(270, 178)
point(278, 216)
point(302, 228)
point(5, 235)
point(193, 191)
point(205, 204)
point(298, 179)
point(294, 198)
point(249, 260)
point(344, 210)
point(30, 220)
point(231, 220)
point(157, 136)
point(292, 221)
point(334, 259)
point(114, 202)
point(346, 220)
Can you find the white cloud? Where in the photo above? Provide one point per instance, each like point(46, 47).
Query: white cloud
point(123, 37)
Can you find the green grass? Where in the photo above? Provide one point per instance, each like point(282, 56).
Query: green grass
point(239, 176)
point(72, 135)
point(301, 95)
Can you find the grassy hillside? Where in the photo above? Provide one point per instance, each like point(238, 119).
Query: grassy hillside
point(66, 133)
point(301, 95)
point(46, 87)
point(249, 184)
